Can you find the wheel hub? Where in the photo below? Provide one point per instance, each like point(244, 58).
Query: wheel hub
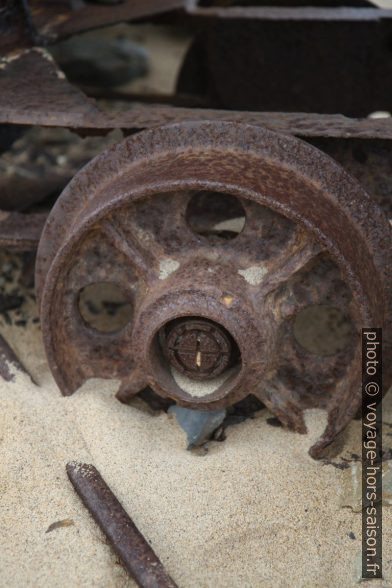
point(198, 348)
point(207, 334)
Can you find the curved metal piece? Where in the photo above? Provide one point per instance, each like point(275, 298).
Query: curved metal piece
point(250, 285)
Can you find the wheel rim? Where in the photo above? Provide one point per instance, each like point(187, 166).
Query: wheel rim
point(261, 169)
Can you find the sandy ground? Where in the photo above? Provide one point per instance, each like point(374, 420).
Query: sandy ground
point(254, 510)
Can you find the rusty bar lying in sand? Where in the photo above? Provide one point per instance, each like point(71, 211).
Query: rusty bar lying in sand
point(137, 556)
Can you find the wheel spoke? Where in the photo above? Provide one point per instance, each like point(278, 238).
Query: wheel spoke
point(134, 383)
point(150, 232)
point(300, 252)
point(141, 260)
point(283, 403)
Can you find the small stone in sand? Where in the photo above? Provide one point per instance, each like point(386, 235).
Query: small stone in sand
point(198, 425)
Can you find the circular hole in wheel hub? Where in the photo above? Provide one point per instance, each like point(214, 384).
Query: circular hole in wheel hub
point(199, 348)
point(215, 216)
point(323, 330)
point(104, 307)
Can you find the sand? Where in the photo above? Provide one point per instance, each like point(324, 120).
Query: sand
point(254, 510)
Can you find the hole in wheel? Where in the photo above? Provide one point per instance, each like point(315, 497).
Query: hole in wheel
point(323, 330)
point(215, 216)
point(104, 307)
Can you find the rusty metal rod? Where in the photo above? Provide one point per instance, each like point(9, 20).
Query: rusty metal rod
point(288, 13)
point(137, 556)
point(184, 100)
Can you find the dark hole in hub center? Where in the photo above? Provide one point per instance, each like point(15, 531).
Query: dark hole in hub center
point(199, 348)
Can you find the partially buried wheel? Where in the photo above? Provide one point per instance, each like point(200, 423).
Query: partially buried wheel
point(241, 262)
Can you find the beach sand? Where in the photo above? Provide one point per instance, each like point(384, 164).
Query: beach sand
point(254, 510)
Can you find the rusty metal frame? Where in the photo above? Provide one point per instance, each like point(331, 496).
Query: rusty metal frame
point(26, 23)
point(296, 13)
point(33, 91)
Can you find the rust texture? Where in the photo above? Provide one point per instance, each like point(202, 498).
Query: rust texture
point(30, 82)
point(127, 218)
point(33, 91)
point(54, 20)
point(21, 232)
point(42, 22)
point(138, 557)
point(370, 162)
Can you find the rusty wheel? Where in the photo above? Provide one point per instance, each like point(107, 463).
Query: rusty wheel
point(223, 243)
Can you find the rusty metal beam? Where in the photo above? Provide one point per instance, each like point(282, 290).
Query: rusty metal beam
point(41, 22)
point(277, 13)
point(21, 232)
point(33, 91)
point(55, 20)
point(292, 123)
point(33, 88)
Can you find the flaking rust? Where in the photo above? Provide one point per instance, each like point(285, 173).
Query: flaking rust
point(145, 207)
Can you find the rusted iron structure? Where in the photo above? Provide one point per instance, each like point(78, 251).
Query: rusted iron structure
point(311, 187)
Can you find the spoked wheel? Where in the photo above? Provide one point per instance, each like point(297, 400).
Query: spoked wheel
point(226, 246)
